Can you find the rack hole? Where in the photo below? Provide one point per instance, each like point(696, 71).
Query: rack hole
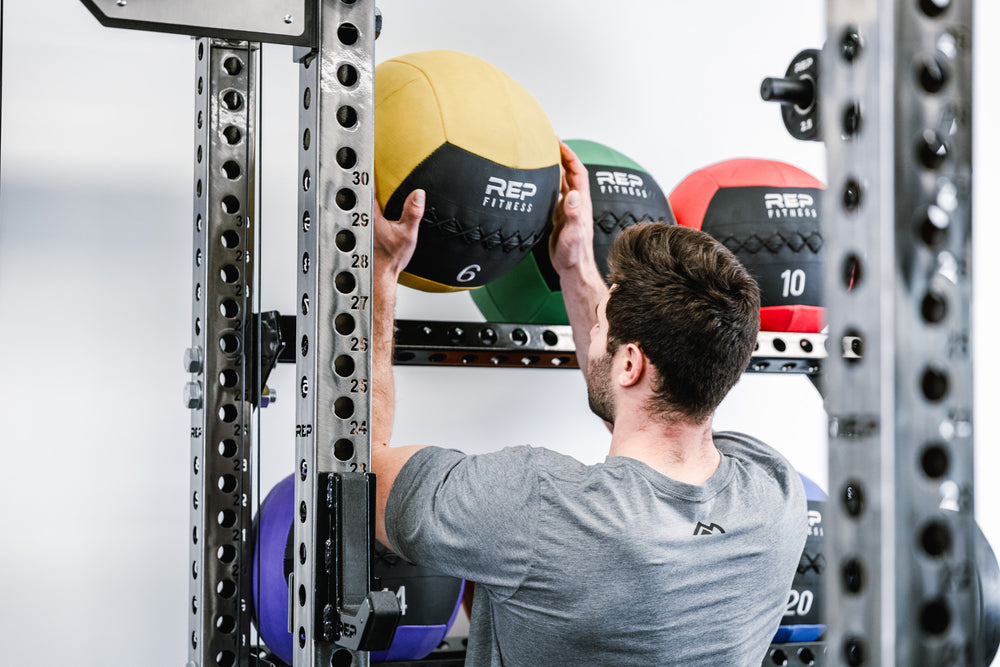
point(341, 658)
point(226, 588)
point(851, 119)
point(302, 596)
point(933, 308)
point(932, 74)
point(229, 343)
point(225, 659)
point(347, 117)
point(933, 226)
point(346, 199)
point(226, 553)
point(346, 241)
point(935, 618)
point(852, 576)
point(227, 483)
point(851, 273)
point(343, 407)
point(854, 651)
point(550, 337)
point(232, 135)
point(850, 44)
point(230, 238)
point(306, 181)
point(343, 449)
point(304, 345)
point(231, 170)
point(227, 448)
point(347, 75)
point(307, 98)
point(934, 384)
point(303, 512)
point(230, 204)
point(852, 196)
point(225, 624)
point(346, 157)
point(935, 539)
point(302, 553)
point(226, 518)
point(931, 149)
point(306, 221)
point(519, 336)
point(232, 65)
point(934, 8)
point(343, 366)
point(229, 308)
point(228, 378)
point(302, 637)
point(232, 100)
point(347, 33)
point(853, 498)
point(229, 274)
point(306, 139)
point(228, 413)
point(345, 282)
point(344, 324)
point(197, 188)
point(934, 461)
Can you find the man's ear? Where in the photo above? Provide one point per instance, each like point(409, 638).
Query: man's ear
point(633, 365)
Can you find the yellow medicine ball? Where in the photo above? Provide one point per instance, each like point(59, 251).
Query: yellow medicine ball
point(483, 150)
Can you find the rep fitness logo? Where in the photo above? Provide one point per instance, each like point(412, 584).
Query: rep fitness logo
point(508, 195)
point(621, 182)
point(789, 205)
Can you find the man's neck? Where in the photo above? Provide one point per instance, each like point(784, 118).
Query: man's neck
point(681, 450)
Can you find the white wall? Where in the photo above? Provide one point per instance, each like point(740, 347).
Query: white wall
point(95, 262)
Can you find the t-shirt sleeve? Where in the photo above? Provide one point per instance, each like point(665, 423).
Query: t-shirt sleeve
point(468, 516)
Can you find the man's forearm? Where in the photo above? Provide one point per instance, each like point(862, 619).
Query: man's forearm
point(383, 383)
point(582, 289)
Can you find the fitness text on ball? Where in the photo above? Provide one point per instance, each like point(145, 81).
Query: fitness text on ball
point(789, 205)
point(508, 195)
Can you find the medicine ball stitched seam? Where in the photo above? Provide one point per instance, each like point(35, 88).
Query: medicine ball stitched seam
point(452, 228)
point(609, 222)
point(753, 243)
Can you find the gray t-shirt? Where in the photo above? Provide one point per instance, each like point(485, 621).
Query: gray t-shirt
point(607, 564)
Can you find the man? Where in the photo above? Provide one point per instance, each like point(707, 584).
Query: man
point(680, 548)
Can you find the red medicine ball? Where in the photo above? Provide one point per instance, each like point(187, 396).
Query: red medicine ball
point(768, 214)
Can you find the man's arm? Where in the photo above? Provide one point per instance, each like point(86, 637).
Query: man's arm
point(571, 248)
point(393, 247)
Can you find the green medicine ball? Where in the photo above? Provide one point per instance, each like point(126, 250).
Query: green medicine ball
point(622, 193)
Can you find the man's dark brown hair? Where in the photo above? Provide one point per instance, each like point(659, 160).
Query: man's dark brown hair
point(692, 308)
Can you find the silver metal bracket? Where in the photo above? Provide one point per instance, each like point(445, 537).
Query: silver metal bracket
point(273, 21)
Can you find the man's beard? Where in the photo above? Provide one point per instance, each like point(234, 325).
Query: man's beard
point(599, 394)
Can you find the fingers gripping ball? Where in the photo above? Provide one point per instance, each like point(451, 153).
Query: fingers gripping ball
point(483, 150)
point(768, 214)
point(622, 193)
point(429, 601)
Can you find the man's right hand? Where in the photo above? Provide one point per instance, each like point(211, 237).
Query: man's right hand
point(571, 244)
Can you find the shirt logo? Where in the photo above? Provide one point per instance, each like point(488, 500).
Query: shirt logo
point(508, 195)
point(789, 205)
point(708, 529)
